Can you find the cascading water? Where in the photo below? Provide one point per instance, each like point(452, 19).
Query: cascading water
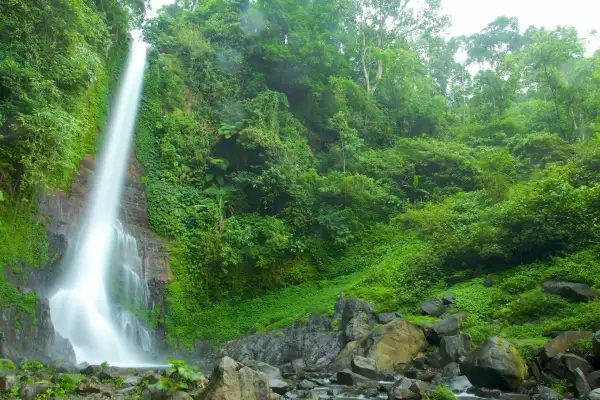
point(80, 308)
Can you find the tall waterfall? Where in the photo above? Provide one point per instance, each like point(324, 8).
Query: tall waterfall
point(80, 309)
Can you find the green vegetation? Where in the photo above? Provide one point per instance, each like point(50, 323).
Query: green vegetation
point(285, 171)
point(32, 366)
point(442, 393)
point(7, 365)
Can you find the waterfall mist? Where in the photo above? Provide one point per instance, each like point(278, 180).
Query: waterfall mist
point(80, 308)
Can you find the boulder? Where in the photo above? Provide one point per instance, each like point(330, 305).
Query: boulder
point(451, 370)
point(31, 391)
point(93, 387)
point(91, 370)
point(279, 386)
point(398, 342)
point(596, 344)
point(359, 382)
point(132, 380)
point(62, 349)
point(459, 384)
point(582, 388)
point(545, 393)
point(434, 359)
point(63, 366)
point(355, 317)
point(388, 317)
point(365, 367)
point(594, 379)
point(557, 367)
point(561, 343)
point(454, 348)
point(449, 298)
point(496, 363)
point(448, 326)
point(268, 370)
point(306, 385)
point(419, 387)
point(594, 395)
point(570, 290)
point(359, 326)
point(401, 390)
point(434, 308)
point(344, 359)
point(573, 362)
point(233, 381)
point(150, 376)
point(7, 382)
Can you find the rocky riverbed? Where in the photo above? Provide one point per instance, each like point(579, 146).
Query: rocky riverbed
point(364, 355)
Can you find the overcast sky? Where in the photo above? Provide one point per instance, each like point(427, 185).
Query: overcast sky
point(470, 16)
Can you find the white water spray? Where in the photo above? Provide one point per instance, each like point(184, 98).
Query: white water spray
point(80, 309)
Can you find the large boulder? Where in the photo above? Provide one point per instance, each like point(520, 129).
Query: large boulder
point(496, 363)
point(358, 382)
point(434, 308)
point(354, 317)
point(365, 367)
point(344, 359)
point(233, 381)
point(572, 362)
point(398, 342)
point(268, 370)
point(545, 393)
point(594, 379)
point(561, 343)
point(448, 326)
point(570, 290)
point(582, 387)
point(455, 348)
point(31, 391)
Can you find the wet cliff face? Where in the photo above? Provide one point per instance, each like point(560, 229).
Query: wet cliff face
point(62, 212)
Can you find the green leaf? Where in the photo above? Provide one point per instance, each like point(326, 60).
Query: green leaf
point(1, 196)
point(220, 180)
point(415, 181)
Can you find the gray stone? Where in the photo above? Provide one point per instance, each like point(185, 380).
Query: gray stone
point(387, 317)
point(495, 364)
point(594, 394)
point(453, 348)
point(278, 385)
point(401, 390)
point(556, 367)
point(62, 349)
point(434, 308)
point(451, 370)
point(448, 326)
point(7, 382)
point(306, 385)
point(233, 381)
point(31, 390)
point(545, 393)
point(91, 370)
point(594, 379)
point(570, 290)
point(582, 388)
point(269, 370)
point(349, 378)
point(150, 376)
point(449, 298)
point(561, 343)
point(365, 367)
point(573, 362)
point(459, 384)
point(434, 359)
point(359, 326)
point(63, 366)
point(132, 380)
point(419, 387)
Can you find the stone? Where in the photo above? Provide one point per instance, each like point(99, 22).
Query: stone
point(233, 381)
point(582, 388)
point(495, 364)
point(365, 367)
point(93, 387)
point(91, 370)
point(306, 385)
point(269, 370)
point(561, 343)
point(398, 342)
point(453, 348)
point(545, 393)
point(279, 386)
point(434, 359)
point(594, 379)
point(556, 367)
point(7, 382)
point(448, 326)
point(132, 380)
point(459, 384)
point(434, 308)
point(31, 390)
point(451, 370)
point(62, 349)
point(359, 382)
point(401, 391)
point(388, 317)
point(449, 298)
point(596, 344)
point(573, 362)
point(572, 291)
point(63, 366)
point(344, 359)
point(110, 373)
point(150, 376)
point(594, 395)
point(419, 387)
point(359, 326)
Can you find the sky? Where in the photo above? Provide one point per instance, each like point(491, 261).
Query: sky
point(470, 16)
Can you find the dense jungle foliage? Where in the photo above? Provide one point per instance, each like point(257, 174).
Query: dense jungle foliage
point(294, 149)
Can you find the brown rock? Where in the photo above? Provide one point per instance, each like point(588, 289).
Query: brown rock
point(398, 342)
point(233, 381)
point(561, 343)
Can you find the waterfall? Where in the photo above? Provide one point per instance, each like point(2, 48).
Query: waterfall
point(80, 308)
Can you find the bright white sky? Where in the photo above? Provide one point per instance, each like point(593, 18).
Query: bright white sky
point(470, 16)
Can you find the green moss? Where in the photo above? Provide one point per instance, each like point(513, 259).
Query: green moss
point(7, 365)
point(31, 366)
point(441, 393)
